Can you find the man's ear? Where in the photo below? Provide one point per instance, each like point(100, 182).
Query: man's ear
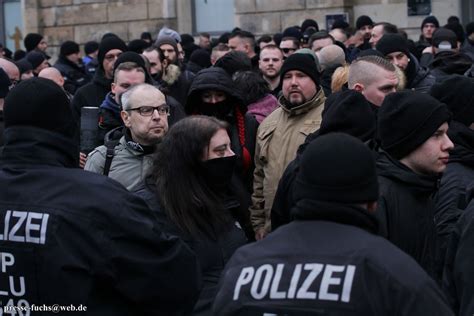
point(359, 87)
point(112, 87)
point(125, 118)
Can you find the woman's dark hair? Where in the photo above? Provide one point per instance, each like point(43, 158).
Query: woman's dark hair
point(251, 86)
point(188, 201)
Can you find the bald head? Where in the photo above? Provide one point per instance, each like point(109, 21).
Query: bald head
point(339, 35)
point(11, 69)
point(53, 74)
point(330, 56)
point(137, 93)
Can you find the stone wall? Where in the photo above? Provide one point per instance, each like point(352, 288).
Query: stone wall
point(271, 16)
point(85, 20)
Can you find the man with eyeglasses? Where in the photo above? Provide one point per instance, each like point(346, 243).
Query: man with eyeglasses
point(145, 115)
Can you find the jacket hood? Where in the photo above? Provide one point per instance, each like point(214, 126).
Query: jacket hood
point(31, 145)
point(391, 168)
point(213, 78)
point(451, 62)
point(463, 139)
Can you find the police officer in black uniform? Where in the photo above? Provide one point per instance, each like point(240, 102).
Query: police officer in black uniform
point(329, 261)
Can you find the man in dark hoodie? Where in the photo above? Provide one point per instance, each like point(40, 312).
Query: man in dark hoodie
point(447, 59)
point(428, 26)
point(457, 93)
point(412, 128)
point(329, 260)
point(395, 49)
point(70, 66)
point(93, 93)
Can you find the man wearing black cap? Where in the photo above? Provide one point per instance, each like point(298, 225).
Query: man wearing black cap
point(446, 58)
point(36, 42)
point(74, 237)
point(70, 66)
point(364, 24)
point(281, 133)
point(91, 50)
point(37, 61)
point(93, 93)
point(395, 48)
point(415, 147)
point(428, 26)
point(329, 259)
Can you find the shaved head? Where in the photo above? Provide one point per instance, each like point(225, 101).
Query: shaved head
point(331, 55)
point(11, 69)
point(53, 74)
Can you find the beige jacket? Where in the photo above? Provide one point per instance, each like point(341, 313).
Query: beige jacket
point(278, 139)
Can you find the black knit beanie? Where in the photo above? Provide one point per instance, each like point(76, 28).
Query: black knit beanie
point(234, 61)
point(35, 58)
point(430, 19)
point(107, 44)
point(5, 84)
point(362, 21)
point(337, 168)
point(303, 63)
point(307, 23)
point(91, 47)
point(390, 43)
point(293, 32)
point(138, 46)
point(68, 48)
point(201, 57)
point(457, 93)
point(407, 119)
point(32, 40)
point(348, 112)
point(135, 58)
point(23, 65)
point(39, 102)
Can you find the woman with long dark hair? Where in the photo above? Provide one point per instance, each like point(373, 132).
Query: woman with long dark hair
point(191, 191)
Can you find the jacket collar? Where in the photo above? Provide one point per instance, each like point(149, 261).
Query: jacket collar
point(316, 101)
point(37, 146)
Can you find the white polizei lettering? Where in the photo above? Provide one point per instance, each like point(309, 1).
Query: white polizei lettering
point(21, 292)
point(44, 226)
point(268, 269)
point(274, 294)
point(30, 226)
point(294, 281)
point(329, 280)
point(347, 287)
point(7, 260)
point(5, 225)
point(16, 227)
point(315, 269)
point(245, 277)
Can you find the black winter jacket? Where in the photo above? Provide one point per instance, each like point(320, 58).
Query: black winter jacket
point(93, 93)
point(452, 197)
point(458, 283)
point(406, 212)
point(449, 63)
point(327, 262)
point(212, 253)
point(418, 78)
point(73, 237)
point(74, 75)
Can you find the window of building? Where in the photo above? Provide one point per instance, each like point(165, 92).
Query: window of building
point(11, 24)
point(213, 16)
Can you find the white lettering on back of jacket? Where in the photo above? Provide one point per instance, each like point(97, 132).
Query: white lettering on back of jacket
point(264, 282)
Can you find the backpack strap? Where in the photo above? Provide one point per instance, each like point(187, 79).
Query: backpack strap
point(112, 139)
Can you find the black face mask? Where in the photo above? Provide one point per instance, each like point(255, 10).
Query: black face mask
point(221, 110)
point(218, 172)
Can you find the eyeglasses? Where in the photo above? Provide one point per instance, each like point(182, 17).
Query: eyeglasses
point(287, 50)
point(149, 110)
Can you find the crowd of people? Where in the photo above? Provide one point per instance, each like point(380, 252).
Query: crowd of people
point(307, 172)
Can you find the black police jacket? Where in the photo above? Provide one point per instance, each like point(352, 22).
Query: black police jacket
point(327, 262)
point(69, 236)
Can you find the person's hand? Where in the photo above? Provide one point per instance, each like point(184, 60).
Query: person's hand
point(260, 234)
point(82, 160)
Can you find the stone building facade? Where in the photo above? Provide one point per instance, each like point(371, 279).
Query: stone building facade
point(84, 20)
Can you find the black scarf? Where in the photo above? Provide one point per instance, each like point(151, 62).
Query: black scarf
point(137, 146)
point(463, 139)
